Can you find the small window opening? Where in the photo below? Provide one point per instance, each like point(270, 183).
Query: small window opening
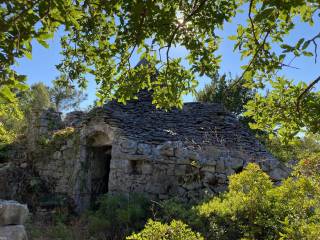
point(136, 167)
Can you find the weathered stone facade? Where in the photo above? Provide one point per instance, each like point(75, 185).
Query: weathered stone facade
point(135, 148)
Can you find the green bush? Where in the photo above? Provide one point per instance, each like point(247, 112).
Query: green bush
point(172, 209)
point(309, 166)
point(118, 215)
point(60, 231)
point(177, 230)
point(297, 149)
point(253, 208)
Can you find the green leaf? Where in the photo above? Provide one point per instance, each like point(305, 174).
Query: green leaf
point(264, 14)
point(7, 94)
point(43, 43)
point(233, 37)
point(299, 43)
point(27, 54)
point(305, 45)
point(307, 54)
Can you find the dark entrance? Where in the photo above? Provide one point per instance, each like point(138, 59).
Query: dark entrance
point(99, 158)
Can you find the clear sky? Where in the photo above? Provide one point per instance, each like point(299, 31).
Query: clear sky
point(42, 66)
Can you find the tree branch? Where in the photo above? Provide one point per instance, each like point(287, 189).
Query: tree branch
point(252, 60)
point(313, 40)
point(252, 24)
point(306, 91)
point(21, 14)
point(194, 11)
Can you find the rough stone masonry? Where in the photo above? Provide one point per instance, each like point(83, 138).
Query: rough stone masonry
point(185, 153)
point(136, 148)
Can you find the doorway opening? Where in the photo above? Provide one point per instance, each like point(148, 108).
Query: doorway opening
point(99, 158)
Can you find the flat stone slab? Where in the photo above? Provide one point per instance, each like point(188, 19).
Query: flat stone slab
point(12, 213)
point(13, 232)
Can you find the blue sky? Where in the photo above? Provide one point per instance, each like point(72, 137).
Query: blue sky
point(42, 66)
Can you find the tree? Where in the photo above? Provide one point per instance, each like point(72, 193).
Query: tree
point(10, 122)
point(38, 98)
point(65, 97)
point(102, 36)
point(15, 114)
point(234, 100)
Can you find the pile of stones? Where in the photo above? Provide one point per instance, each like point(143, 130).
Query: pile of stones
point(12, 218)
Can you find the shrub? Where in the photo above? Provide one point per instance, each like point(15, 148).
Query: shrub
point(60, 231)
point(309, 166)
point(177, 230)
point(255, 209)
point(118, 215)
point(174, 209)
point(63, 133)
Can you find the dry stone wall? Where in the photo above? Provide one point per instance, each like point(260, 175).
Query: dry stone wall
point(172, 169)
point(186, 153)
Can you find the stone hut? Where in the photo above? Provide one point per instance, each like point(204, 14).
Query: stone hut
point(136, 148)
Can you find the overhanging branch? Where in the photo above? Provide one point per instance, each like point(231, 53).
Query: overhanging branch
point(305, 92)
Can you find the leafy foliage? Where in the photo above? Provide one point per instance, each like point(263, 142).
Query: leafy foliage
point(38, 98)
point(15, 117)
point(175, 231)
point(65, 97)
point(277, 113)
point(296, 150)
point(22, 21)
point(63, 133)
point(101, 38)
point(118, 215)
point(10, 118)
point(222, 90)
point(254, 209)
point(14, 114)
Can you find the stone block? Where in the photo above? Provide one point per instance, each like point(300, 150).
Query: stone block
point(12, 213)
point(209, 168)
point(128, 146)
point(222, 178)
point(57, 155)
point(69, 154)
point(195, 156)
point(144, 149)
point(220, 166)
point(182, 154)
point(166, 149)
point(180, 170)
point(192, 185)
point(220, 188)
point(229, 171)
point(278, 174)
point(13, 232)
point(156, 188)
point(212, 154)
point(146, 168)
point(170, 171)
point(235, 163)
